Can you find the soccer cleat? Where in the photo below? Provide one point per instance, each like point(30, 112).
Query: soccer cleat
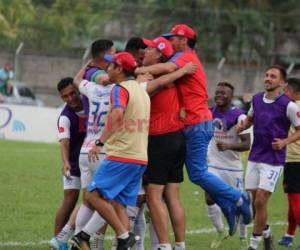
point(97, 242)
point(125, 244)
point(77, 243)
point(243, 244)
point(286, 241)
point(216, 243)
point(250, 248)
point(57, 244)
point(268, 243)
point(246, 208)
point(232, 218)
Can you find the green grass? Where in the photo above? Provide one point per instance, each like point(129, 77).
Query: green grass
point(31, 191)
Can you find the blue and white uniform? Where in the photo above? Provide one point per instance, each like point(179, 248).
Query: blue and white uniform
point(98, 97)
point(226, 164)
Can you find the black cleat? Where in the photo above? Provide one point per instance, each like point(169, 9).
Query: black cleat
point(250, 248)
point(124, 244)
point(268, 243)
point(78, 243)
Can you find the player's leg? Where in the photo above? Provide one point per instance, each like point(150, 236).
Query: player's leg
point(177, 214)
point(85, 212)
point(228, 198)
point(71, 193)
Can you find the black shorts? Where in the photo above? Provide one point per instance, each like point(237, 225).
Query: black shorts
point(166, 156)
point(291, 177)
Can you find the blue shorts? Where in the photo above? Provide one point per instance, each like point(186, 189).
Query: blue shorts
point(118, 181)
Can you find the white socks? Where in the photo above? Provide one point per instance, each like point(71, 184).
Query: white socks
point(132, 214)
point(95, 223)
point(140, 228)
point(179, 246)
point(83, 216)
point(65, 234)
point(215, 215)
point(254, 241)
point(242, 229)
point(267, 232)
point(153, 237)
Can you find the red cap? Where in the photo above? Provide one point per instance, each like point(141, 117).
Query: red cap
point(162, 44)
point(123, 59)
point(181, 30)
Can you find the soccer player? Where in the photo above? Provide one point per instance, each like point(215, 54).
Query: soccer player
point(98, 102)
point(198, 129)
point(136, 47)
point(291, 172)
point(224, 159)
point(271, 114)
point(116, 182)
point(71, 133)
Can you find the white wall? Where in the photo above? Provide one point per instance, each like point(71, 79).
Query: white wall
point(28, 123)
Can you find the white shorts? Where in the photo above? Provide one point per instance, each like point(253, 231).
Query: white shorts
point(87, 168)
point(73, 183)
point(263, 176)
point(232, 177)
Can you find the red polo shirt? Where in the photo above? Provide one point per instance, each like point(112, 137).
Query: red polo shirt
point(164, 112)
point(192, 89)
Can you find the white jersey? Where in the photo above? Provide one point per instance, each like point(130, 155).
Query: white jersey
point(224, 131)
point(98, 96)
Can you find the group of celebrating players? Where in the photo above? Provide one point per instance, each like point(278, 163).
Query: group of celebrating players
point(133, 119)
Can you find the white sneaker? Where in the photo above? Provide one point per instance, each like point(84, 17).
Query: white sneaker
point(97, 242)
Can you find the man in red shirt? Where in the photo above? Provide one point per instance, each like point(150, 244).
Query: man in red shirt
point(198, 125)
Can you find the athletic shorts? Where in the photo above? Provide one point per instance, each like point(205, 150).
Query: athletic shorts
point(166, 156)
point(118, 181)
point(291, 177)
point(87, 168)
point(233, 177)
point(263, 176)
point(72, 183)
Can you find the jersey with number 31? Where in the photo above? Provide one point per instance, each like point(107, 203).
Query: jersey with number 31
point(98, 96)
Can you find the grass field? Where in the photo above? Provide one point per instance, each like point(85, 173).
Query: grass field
point(31, 191)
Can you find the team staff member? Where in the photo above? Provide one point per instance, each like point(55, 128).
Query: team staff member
point(198, 129)
point(116, 182)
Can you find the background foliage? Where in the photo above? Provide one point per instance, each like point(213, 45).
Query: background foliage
point(243, 31)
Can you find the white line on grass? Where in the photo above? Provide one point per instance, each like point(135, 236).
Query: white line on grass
point(204, 230)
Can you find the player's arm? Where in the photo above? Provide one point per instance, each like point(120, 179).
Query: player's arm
point(119, 100)
point(243, 145)
point(79, 76)
point(245, 123)
point(64, 141)
point(293, 113)
point(163, 81)
point(157, 69)
point(65, 152)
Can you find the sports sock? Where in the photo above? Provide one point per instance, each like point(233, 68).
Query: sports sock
point(179, 245)
point(94, 224)
point(242, 229)
point(65, 234)
point(132, 214)
point(140, 228)
point(267, 232)
point(215, 215)
point(83, 215)
point(123, 236)
point(153, 237)
point(254, 241)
